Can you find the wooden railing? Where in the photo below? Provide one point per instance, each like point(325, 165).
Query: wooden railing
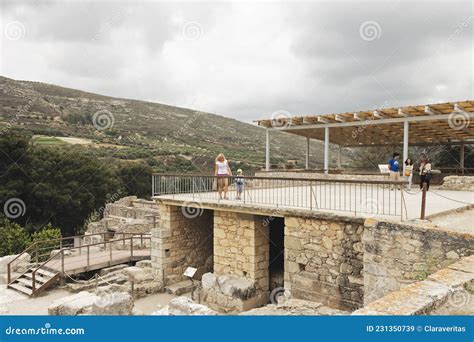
point(63, 244)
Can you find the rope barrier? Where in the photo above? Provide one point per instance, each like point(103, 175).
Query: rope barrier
point(451, 199)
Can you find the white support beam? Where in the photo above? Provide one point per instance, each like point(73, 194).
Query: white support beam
point(419, 118)
point(461, 158)
point(458, 108)
point(401, 112)
point(307, 154)
point(406, 132)
point(378, 114)
point(267, 151)
point(431, 111)
point(326, 150)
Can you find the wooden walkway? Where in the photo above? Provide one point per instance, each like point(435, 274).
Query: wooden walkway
point(97, 260)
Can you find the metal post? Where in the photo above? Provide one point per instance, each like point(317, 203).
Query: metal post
point(423, 202)
point(110, 247)
point(88, 257)
point(152, 185)
point(326, 150)
point(406, 128)
point(461, 158)
point(267, 151)
point(339, 157)
point(307, 154)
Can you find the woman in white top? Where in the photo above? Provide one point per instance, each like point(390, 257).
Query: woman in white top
point(222, 171)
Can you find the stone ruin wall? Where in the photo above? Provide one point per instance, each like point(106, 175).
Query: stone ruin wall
point(128, 214)
point(324, 260)
point(180, 241)
point(397, 254)
point(448, 291)
point(459, 183)
point(318, 175)
point(341, 262)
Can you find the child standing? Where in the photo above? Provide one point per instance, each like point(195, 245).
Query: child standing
point(239, 184)
point(408, 173)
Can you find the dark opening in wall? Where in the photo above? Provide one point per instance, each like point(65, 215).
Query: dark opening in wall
point(277, 252)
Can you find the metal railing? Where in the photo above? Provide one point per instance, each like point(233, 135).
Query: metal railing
point(374, 197)
point(79, 243)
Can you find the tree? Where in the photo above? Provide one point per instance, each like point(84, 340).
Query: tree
point(13, 238)
point(136, 179)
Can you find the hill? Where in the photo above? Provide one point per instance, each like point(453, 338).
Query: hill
point(131, 129)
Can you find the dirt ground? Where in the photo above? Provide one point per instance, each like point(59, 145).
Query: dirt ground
point(15, 303)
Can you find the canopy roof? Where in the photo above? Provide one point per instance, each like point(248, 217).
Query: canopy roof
point(442, 123)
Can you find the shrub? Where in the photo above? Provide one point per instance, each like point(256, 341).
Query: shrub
point(43, 237)
point(13, 238)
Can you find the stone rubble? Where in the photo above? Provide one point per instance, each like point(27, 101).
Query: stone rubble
point(184, 306)
point(87, 303)
point(18, 267)
point(459, 183)
point(294, 307)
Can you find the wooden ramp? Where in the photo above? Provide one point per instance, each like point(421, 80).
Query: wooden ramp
point(73, 260)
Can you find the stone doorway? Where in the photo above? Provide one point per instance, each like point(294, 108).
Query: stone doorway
point(277, 252)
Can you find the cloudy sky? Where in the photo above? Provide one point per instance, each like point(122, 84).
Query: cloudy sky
point(246, 59)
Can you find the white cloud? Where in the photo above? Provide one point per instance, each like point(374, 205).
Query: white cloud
point(247, 60)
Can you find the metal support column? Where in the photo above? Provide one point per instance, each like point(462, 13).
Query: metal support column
point(307, 153)
point(406, 132)
point(461, 158)
point(326, 150)
point(267, 151)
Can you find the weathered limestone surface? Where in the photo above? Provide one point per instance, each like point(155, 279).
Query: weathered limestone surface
point(448, 291)
point(128, 214)
point(77, 304)
point(19, 266)
point(87, 303)
point(112, 303)
point(184, 306)
point(294, 307)
point(181, 240)
point(461, 183)
point(230, 293)
point(399, 254)
point(324, 260)
point(241, 247)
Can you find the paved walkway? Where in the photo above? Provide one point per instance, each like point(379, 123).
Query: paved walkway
point(342, 198)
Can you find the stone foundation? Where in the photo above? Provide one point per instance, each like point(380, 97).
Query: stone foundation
point(181, 240)
point(324, 260)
